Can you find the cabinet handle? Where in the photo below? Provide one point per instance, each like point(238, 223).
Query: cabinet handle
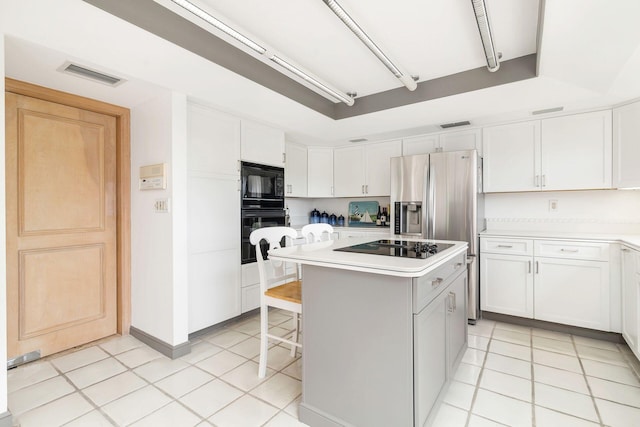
point(238, 165)
point(529, 262)
point(570, 250)
point(366, 188)
point(537, 267)
point(284, 157)
point(457, 266)
point(451, 302)
point(437, 282)
point(332, 191)
point(537, 181)
point(455, 301)
point(625, 250)
point(505, 246)
point(544, 180)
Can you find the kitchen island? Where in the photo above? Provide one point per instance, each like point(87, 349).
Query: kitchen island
point(382, 335)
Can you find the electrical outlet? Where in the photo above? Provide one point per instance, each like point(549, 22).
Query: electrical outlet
point(553, 205)
point(161, 206)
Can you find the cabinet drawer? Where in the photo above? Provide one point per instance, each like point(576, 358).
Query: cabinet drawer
point(572, 250)
point(427, 287)
point(506, 246)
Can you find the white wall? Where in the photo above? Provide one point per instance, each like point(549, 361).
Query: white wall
point(599, 211)
point(158, 301)
point(3, 265)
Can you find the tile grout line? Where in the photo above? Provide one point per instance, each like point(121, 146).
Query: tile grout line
point(584, 375)
point(533, 382)
point(477, 387)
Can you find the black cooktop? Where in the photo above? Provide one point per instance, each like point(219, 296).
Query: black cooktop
point(401, 248)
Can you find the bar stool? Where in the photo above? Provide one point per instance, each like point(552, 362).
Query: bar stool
point(280, 287)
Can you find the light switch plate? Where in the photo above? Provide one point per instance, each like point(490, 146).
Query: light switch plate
point(553, 205)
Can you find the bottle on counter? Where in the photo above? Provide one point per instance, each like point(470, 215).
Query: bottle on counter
point(379, 216)
point(383, 218)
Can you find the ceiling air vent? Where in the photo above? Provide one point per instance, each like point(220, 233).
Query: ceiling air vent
point(548, 110)
point(455, 125)
point(358, 140)
point(87, 73)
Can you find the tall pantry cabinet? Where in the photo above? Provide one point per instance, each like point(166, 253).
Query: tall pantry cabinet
point(213, 153)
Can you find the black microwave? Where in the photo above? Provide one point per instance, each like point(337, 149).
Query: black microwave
point(262, 186)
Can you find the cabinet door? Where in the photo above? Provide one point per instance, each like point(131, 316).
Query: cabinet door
point(295, 171)
point(262, 144)
point(626, 146)
point(348, 172)
point(429, 357)
point(378, 167)
point(456, 321)
point(214, 141)
point(420, 145)
point(630, 297)
point(462, 140)
point(320, 172)
point(506, 284)
point(576, 152)
point(511, 157)
point(572, 292)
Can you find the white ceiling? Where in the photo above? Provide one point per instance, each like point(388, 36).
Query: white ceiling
point(589, 57)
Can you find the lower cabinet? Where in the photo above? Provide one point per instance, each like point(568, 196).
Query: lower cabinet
point(630, 298)
point(440, 339)
point(559, 281)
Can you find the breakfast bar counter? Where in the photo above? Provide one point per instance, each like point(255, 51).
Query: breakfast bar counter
point(382, 335)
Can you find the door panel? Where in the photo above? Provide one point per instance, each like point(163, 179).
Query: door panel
point(61, 225)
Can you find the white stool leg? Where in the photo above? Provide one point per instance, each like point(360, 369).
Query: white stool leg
point(264, 341)
point(294, 337)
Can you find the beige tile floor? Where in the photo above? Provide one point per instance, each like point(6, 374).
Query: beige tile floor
point(510, 376)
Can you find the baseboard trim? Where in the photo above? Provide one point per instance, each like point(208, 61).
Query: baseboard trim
point(171, 351)
point(6, 419)
point(224, 324)
point(613, 337)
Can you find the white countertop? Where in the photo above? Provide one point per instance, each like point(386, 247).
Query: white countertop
point(322, 254)
point(627, 239)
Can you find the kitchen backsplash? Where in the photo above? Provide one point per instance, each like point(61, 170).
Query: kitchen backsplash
point(596, 211)
point(299, 208)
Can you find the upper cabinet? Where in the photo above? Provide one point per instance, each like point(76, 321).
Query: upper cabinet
point(295, 170)
point(450, 141)
point(320, 172)
point(626, 146)
point(364, 170)
point(261, 144)
point(561, 153)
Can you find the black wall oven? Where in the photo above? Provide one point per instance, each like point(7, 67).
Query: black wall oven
point(262, 203)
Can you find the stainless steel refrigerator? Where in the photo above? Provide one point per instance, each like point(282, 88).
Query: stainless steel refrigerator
point(439, 196)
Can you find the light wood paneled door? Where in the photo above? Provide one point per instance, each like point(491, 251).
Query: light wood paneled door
point(61, 225)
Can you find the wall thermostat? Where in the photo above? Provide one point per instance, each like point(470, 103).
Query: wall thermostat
point(153, 177)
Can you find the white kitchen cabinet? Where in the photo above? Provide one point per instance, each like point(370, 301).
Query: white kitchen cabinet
point(451, 141)
point(320, 172)
point(576, 152)
point(561, 153)
point(559, 281)
point(470, 139)
point(630, 298)
point(381, 233)
point(626, 146)
point(364, 170)
point(420, 144)
point(213, 244)
point(511, 157)
point(295, 170)
point(457, 322)
point(506, 276)
point(572, 292)
point(261, 144)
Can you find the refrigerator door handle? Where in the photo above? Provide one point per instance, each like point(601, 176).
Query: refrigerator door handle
point(431, 208)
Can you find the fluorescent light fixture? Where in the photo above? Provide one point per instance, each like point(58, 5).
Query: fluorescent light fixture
point(256, 47)
point(340, 96)
point(207, 17)
point(403, 76)
point(493, 57)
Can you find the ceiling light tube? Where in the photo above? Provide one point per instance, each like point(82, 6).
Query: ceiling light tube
point(207, 17)
point(493, 57)
point(403, 76)
point(340, 96)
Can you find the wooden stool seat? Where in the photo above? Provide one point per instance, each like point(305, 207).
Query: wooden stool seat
point(291, 291)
